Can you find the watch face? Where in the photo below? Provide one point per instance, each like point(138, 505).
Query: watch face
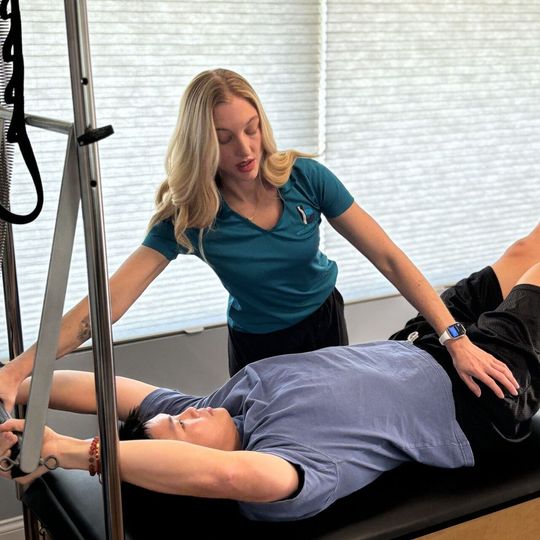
point(455, 330)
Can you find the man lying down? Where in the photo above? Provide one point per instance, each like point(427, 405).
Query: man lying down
point(287, 436)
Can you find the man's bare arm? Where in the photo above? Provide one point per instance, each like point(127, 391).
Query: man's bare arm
point(187, 469)
point(75, 391)
point(178, 467)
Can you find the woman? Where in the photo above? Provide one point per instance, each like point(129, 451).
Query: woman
point(253, 214)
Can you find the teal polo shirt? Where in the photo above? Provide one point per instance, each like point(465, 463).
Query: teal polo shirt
point(277, 277)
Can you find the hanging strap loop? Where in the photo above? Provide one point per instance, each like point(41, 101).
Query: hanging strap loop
point(14, 94)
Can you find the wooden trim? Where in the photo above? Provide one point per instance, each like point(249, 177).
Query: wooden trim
point(520, 521)
point(12, 528)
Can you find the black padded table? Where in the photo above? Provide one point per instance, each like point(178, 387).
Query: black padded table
point(405, 503)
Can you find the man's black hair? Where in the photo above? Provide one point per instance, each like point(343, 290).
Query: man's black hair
point(134, 427)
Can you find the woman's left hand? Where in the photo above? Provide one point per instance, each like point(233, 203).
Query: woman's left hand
point(472, 363)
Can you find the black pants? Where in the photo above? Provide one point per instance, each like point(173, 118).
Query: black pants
point(508, 329)
point(323, 328)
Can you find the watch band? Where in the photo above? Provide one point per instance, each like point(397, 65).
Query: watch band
point(454, 331)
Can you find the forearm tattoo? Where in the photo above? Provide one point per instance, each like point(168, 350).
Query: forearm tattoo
point(84, 330)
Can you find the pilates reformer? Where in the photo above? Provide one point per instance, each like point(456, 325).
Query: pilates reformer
point(409, 502)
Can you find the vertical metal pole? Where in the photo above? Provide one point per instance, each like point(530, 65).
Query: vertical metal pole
point(100, 311)
point(16, 347)
point(15, 338)
point(11, 296)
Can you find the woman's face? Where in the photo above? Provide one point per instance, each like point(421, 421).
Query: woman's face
point(240, 143)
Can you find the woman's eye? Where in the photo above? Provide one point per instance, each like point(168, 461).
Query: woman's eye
point(224, 141)
point(253, 128)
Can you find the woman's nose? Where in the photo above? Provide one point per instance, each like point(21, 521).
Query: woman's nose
point(242, 147)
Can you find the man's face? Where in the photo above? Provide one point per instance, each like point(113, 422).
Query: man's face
point(213, 428)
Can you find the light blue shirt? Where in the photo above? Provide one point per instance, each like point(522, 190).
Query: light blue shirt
point(277, 277)
point(341, 415)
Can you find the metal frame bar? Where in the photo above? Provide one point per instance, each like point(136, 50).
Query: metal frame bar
point(49, 124)
point(98, 283)
point(15, 341)
point(51, 314)
point(85, 159)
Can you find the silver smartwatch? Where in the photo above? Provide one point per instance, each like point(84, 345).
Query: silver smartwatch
point(454, 331)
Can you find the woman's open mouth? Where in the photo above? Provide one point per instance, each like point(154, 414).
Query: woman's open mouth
point(246, 165)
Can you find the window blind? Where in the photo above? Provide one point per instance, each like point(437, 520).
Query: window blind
point(143, 56)
point(433, 121)
point(428, 112)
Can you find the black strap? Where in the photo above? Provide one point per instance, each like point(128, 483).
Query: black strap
point(14, 94)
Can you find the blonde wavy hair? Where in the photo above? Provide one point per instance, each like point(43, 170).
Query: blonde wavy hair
point(189, 194)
